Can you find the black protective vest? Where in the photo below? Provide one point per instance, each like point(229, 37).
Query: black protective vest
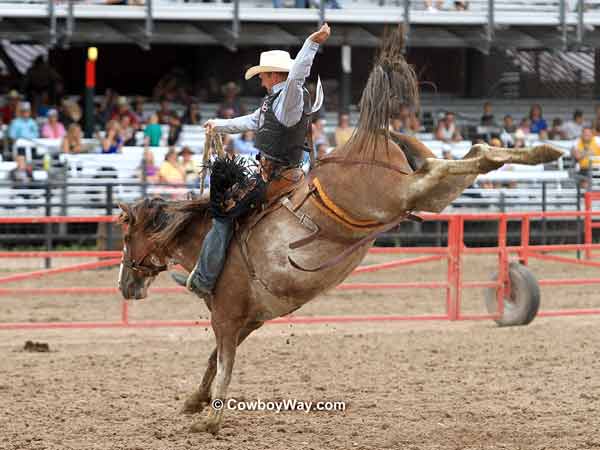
point(277, 142)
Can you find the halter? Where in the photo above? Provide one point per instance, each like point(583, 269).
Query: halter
point(145, 271)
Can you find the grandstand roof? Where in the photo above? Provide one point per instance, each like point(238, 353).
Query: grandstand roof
point(511, 23)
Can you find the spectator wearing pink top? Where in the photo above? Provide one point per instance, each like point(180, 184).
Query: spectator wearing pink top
point(53, 129)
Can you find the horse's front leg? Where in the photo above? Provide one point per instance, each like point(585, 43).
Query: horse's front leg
point(227, 335)
point(201, 397)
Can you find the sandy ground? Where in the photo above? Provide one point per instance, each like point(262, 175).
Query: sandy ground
point(432, 385)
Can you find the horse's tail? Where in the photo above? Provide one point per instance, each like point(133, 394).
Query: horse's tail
point(392, 83)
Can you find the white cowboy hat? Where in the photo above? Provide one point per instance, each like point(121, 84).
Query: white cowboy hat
point(271, 61)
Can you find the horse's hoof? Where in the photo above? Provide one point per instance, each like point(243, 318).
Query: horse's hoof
point(205, 426)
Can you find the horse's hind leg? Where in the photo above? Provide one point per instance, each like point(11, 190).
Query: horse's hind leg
point(438, 182)
point(201, 397)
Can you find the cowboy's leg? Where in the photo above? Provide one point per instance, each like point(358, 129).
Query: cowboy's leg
point(212, 257)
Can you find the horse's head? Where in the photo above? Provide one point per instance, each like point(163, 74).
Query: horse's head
point(141, 260)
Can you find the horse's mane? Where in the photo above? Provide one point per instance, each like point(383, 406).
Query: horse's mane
point(164, 222)
point(392, 83)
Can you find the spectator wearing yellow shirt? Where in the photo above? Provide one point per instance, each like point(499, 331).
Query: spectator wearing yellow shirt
point(171, 172)
point(344, 131)
point(192, 176)
point(584, 150)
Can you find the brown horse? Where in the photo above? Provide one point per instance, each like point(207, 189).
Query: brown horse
point(366, 186)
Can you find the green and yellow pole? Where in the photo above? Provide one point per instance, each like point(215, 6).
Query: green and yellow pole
point(90, 84)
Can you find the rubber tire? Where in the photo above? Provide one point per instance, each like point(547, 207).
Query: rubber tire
point(523, 303)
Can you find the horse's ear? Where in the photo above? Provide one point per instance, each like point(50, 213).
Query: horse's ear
point(124, 217)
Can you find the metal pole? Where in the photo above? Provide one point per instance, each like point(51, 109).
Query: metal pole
point(322, 12)
point(149, 26)
point(109, 213)
point(48, 226)
point(580, 29)
point(563, 24)
point(544, 220)
point(579, 224)
point(235, 25)
point(406, 25)
point(489, 32)
point(70, 25)
point(52, 18)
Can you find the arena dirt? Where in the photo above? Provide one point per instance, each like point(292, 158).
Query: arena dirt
point(421, 386)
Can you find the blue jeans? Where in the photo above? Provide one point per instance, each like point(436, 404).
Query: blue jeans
point(214, 252)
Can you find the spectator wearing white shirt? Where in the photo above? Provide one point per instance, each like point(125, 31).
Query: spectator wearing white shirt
point(573, 128)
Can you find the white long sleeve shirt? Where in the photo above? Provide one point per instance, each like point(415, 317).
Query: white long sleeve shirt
point(289, 105)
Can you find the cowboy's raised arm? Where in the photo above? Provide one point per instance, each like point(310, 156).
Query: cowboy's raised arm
point(289, 105)
point(235, 125)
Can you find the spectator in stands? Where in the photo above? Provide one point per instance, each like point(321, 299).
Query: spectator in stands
point(21, 175)
point(556, 131)
point(447, 152)
point(171, 172)
point(397, 125)
point(174, 129)
point(573, 128)
point(538, 123)
point(525, 125)
point(138, 110)
point(507, 131)
point(586, 151)
point(343, 132)
point(318, 133)
point(127, 131)
point(244, 145)
point(487, 118)
point(153, 132)
point(53, 129)
point(433, 5)
point(192, 115)
point(23, 127)
point(44, 106)
point(10, 109)
point(414, 124)
point(113, 141)
point(149, 171)
point(71, 143)
point(322, 150)
point(191, 174)
point(108, 105)
point(596, 122)
point(519, 141)
point(231, 101)
point(69, 113)
point(447, 129)
point(164, 112)
point(123, 110)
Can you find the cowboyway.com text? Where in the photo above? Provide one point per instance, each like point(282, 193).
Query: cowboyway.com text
point(278, 406)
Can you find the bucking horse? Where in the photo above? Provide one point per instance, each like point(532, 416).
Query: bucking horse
point(309, 238)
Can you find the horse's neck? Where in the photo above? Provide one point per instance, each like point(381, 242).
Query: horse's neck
point(187, 252)
point(364, 190)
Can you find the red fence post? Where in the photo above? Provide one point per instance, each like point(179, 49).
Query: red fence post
point(454, 277)
point(525, 229)
point(588, 224)
point(503, 278)
point(460, 243)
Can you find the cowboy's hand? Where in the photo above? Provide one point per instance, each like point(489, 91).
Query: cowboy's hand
point(209, 126)
point(322, 35)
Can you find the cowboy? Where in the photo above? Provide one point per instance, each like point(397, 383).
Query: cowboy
point(281, 125)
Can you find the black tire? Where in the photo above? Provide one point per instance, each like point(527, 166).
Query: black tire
point(522, 304)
